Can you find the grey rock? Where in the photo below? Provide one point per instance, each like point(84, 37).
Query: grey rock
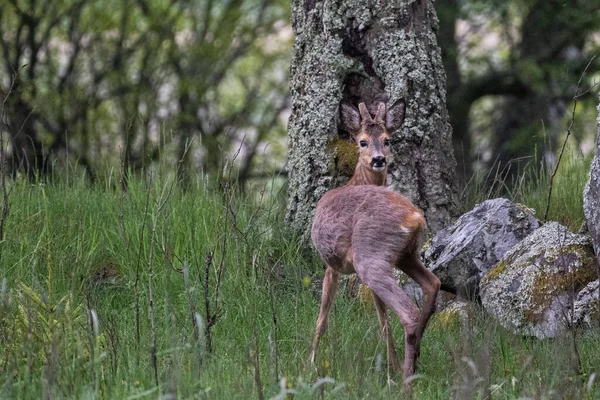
point(532, 289)
point(456, 312)
point(410, 287)
point(587, 305)
point(591, 196)
point(462, 253)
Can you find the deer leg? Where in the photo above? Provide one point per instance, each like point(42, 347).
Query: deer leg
point(430, 285)
point(329, 286)
point(381, 281)
point(386, 329)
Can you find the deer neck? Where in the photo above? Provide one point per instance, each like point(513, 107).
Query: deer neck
point(366, 176)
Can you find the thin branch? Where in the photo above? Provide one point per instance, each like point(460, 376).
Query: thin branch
point(164, 247)
point(220, 270)
point(75, 39)
point(275, 340)
point(210, 319)
point(562, 150)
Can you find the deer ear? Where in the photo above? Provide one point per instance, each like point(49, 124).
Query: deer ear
point(350, 118)
point(394, 117)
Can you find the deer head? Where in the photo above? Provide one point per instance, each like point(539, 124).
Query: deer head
point(372, 135)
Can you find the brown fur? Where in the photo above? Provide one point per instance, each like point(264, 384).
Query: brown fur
point(375, 133)
point(364, 175)
point(368, 229)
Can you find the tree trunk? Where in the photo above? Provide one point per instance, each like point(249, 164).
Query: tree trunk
point(459, 105)
point(28, 155)
point(518, 133)
point(368, 51)
point(591, 197)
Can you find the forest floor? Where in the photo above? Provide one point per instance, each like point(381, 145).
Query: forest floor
point(93, 278)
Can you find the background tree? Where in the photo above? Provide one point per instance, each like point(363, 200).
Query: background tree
point(140, 80)
point(522, 58)
point(347, 49)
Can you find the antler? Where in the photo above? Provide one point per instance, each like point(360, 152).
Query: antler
point(380, 116)
point(364, 113)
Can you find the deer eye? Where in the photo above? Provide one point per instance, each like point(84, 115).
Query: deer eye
point(363, 143)
point(386, 142)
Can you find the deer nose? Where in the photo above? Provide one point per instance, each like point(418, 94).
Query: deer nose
point(378, 161)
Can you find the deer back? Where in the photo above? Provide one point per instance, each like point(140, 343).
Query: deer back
point(358, 222)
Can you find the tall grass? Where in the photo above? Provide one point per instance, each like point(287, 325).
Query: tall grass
point(531, 186)
point(68, 316)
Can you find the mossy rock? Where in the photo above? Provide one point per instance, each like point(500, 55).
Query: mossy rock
point(453, 315)
point(463, 252)
point(531, 290)
point(587, 305)
point(591, 196)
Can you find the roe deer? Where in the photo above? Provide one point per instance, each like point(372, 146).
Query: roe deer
point(370, 230)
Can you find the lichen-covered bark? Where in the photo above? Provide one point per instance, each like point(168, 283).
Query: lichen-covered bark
point(369, 51)
point(591, 196)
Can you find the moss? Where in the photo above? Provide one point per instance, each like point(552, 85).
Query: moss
point(587, 259)
point(352, 285)
point(401, 277)
point(448, 318)
point(346, 156)
point(355, 289)
point(525, 209)
point(426, 245)
point(447, 297)
point(365, 295)
point(496, 270)
point(452, 315)
point(548, 285)
point(595, 311)
point(529, 291)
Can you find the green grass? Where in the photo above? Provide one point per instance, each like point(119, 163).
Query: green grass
point(532, 185)
point(71, 248)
